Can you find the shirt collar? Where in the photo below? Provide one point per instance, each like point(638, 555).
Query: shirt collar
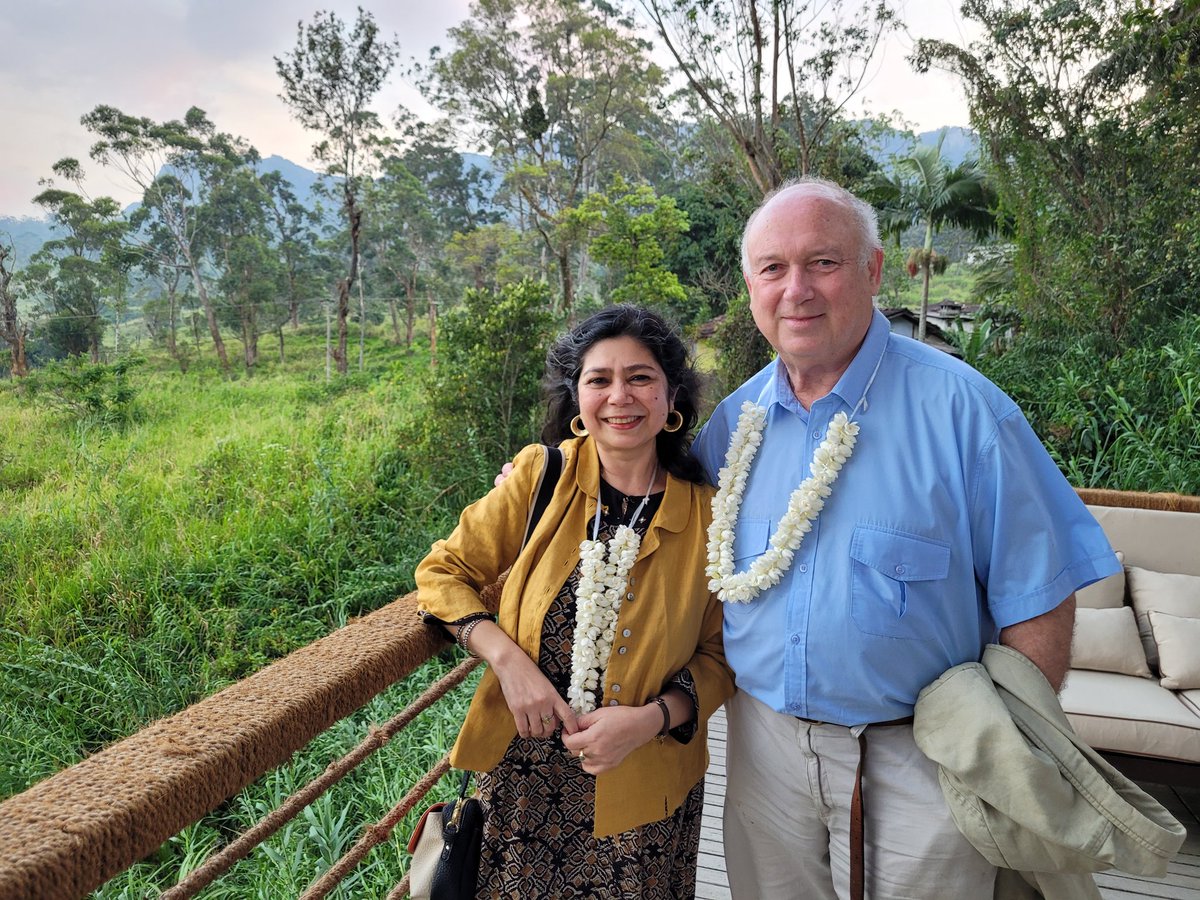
point(849, 388)
point(855, 380)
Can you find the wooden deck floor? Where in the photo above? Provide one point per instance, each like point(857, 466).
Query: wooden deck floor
point(1181, 883)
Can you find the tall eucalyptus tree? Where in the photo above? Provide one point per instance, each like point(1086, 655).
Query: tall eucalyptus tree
point(329, 79)
point(554, 90)
point(14, 330)
point(176, 165)
point(77, 272)
point(776, 74)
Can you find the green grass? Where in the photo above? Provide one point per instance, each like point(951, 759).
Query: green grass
point(234, 520)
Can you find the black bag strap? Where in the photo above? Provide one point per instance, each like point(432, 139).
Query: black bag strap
point(552, 462)
point(466, 783)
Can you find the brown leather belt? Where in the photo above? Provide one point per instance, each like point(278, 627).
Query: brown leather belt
point(858, 814)
point(857, 808)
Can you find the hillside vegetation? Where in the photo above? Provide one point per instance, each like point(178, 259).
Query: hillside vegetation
point(232, 521)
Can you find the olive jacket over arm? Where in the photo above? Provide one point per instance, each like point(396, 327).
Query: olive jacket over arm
point(1032, 797)
point(668, 621)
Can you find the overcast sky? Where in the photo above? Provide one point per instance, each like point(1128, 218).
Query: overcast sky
point(157, 58)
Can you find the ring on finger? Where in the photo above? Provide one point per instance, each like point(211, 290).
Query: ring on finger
point(582, 755)
point(547, 720)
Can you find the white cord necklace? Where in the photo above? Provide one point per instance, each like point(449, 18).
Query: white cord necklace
point(598, 599)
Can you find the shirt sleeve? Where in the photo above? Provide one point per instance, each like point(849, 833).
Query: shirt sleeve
point(1034, 541)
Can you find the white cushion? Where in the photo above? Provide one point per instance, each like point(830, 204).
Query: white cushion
point(1178, 641)
point(1130, 715)
point(1174, 594)
point(1107, 640)
point(1107, 593)
point(1153, 538)
point(1191, 699)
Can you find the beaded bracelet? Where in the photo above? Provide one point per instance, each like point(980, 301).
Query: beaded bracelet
point(666, 728)
point(464, 632)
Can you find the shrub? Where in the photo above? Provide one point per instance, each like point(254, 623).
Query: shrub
point(92, 393)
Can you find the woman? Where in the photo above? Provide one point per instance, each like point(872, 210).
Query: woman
point(593, 778)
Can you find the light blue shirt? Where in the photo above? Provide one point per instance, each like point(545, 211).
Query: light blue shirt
point(949, 522)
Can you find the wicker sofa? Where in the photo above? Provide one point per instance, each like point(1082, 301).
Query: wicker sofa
point(1133, 691)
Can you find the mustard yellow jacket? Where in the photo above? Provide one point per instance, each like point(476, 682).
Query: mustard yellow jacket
point(668, 621)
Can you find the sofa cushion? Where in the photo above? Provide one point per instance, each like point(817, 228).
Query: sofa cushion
point(1106, 640)
point(1174, 594)
point(1191, 699)
point(1157, 539)
point(1178, 641)
point(1107, 593)
point(1130, 715)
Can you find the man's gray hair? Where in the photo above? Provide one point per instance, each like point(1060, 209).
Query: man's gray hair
point(863, 213)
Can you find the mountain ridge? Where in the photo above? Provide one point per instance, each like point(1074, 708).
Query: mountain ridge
point(28, 233)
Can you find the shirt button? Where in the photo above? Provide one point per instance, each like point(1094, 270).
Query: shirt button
point(899, 570)
point(616, 689)
point(803, 567)
point(795, 638)
point(816, 435)
point(626, 633)
point(623, 651)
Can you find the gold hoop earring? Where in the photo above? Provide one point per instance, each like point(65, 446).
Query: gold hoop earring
point(672, 428)
point(577, 428)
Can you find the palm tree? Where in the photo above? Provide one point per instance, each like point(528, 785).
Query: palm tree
point(923, 189)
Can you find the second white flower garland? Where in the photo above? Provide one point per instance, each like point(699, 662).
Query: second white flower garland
point(804, 505)
point(598, 599)
point(597, 604)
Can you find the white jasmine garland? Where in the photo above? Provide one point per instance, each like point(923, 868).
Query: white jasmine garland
point(598, 599)
point(597, 603)
point(804, 505)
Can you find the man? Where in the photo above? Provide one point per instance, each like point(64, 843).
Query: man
point(944, 523)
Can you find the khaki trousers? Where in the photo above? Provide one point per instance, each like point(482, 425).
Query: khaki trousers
point(787, 814)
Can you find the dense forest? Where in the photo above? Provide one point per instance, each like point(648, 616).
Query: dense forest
point(235, 414)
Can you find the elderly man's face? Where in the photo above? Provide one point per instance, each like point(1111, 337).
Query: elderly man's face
point(810, 295)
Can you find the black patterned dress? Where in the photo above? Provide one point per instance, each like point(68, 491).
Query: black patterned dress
point(538, 841)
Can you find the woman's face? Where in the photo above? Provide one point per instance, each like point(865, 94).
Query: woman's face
point(623, 396)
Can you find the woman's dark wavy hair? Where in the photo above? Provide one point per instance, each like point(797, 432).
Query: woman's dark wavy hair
point(565, 361)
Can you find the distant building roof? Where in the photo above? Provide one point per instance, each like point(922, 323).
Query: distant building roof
point(904, 321)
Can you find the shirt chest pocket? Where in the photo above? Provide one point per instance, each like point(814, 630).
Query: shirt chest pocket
point(897, 582)
point(750, 541)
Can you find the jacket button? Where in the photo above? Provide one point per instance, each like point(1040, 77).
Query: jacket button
point(629, 596)
point(622, 651)
point(616, 689)
point(613, 703)
point(626, 633)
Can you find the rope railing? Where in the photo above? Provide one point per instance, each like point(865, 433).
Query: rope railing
point(220, 863)
point(70, 833)
point(1139, 500)
point(376, 835)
